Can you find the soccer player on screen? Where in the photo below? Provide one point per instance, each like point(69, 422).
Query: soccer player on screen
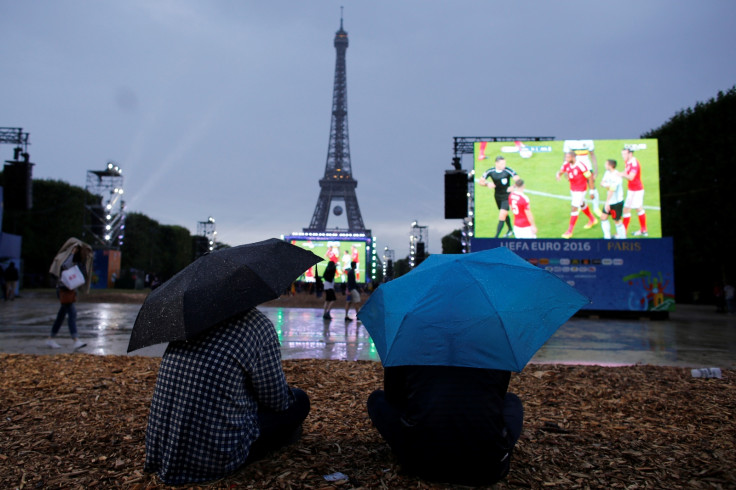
point(585, 153)
point(499, 179)
point(519, 205)
point(635, 193)
point(580, 180)
point(346, 259)
point(614, 204)
point(355, 256)
point(482, 150)
point(332, 252)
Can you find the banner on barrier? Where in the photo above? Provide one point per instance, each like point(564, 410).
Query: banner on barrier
point(620, 275)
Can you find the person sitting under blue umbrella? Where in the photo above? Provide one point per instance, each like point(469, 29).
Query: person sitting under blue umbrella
point(449, 333)
point(449, 423)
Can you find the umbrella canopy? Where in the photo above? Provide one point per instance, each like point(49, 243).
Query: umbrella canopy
point(489, 309)
point(69, 248)
point(216, 287)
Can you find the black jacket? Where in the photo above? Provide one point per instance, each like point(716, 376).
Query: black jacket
point(451, 416)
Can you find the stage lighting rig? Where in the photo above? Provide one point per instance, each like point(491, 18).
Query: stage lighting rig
point(388, 263)
point(208, 231)
point(418, 241)
point(104, 220)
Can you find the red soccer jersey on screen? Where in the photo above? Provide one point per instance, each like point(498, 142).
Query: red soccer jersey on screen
point(577, 174)
point(633, 165)
point(519, 205)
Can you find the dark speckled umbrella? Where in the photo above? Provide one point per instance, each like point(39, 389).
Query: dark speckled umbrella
point(216, 287)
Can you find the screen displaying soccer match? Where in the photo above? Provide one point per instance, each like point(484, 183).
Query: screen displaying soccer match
point(341, 252)
point(571, 189)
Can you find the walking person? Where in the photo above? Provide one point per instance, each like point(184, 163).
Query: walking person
point(353, 297)
point(2, 283)
point(319, 286)
point(73, 253)
point(730, 298)
point(329, 285)
point(11, 281)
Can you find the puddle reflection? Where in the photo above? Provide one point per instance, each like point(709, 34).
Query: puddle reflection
point(694, 339)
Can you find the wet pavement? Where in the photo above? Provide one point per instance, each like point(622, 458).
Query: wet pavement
point(693, 336)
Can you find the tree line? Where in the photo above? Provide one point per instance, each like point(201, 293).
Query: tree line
point(58, 213)
point(697, 169)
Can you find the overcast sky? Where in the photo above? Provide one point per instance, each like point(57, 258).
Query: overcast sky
point(222, 108)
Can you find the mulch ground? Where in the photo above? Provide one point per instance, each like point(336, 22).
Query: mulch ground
point(78, 421)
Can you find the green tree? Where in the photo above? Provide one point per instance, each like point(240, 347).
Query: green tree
point(452, 243)
point(140, 248)
point(176, 243)
point(155, 248)
point(57, 214)
point(401, 267)
point(697, 176)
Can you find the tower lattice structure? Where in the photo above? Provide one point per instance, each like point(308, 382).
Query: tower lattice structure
point(338, 184)
point(104, 219)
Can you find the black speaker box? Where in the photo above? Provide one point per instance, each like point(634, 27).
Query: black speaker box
point(17, 193)
point(456, 194)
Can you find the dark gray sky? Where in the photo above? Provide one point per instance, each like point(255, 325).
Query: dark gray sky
point(222, 108)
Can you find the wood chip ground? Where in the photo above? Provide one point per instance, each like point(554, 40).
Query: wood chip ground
point(78, 421)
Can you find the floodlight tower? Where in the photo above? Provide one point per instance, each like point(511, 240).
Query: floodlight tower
point(388, 263)
point(466, 232)
point(105, 210)
point(418, 240)
point(208, 230)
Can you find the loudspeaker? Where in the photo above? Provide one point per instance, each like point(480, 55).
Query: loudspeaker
point(18, 195)
point(456, 194)
point(421, 254)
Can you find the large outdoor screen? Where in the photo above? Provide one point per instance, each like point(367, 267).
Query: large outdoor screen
point(341, 252)
point(537, 163)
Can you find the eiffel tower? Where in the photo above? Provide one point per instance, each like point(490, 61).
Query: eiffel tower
point(338, 184)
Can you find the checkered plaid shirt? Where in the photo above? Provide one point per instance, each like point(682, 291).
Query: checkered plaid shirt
point(204, 412)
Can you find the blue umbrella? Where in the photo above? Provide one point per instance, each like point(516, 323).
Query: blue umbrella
point(489, 309)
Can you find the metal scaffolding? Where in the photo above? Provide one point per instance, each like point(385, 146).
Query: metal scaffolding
point(418, 244)
point(105, 210)
point(207, 231)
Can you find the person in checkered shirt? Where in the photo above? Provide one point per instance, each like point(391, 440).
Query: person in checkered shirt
point(221, 401)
